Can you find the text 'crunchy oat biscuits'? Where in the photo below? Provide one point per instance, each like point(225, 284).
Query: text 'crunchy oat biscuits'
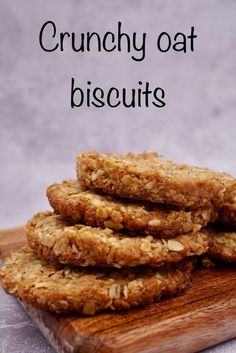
point(99, 210)
point(54, 287)
point(81, 245)
point(146, 177)
point(222, 244)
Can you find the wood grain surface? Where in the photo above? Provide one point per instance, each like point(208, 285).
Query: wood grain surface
point(202, 316)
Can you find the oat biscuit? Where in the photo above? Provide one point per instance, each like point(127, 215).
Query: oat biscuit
point(77, 204)
point(227, 213)
point(152, 179)
point(222, 244)
point(54, 287)
point(80, 245)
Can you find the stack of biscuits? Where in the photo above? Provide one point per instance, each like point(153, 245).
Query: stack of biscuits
point(125, 233)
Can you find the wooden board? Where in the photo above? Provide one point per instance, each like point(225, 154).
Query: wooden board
point(201, 317)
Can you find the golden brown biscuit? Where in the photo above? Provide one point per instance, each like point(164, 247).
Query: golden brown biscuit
point(152, 179)
point(227, 213)
point(80, 245)
point(77, 204)
point(54, 287)
point(222, 244)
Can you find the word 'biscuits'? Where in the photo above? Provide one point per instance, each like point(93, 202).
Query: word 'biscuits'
point(77, 204)
point(81, 245)
point(146, 177)
point(54, 287)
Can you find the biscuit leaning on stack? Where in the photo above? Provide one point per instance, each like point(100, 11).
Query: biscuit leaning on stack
point(124, 234)
point(222, 238)
point(146, 177)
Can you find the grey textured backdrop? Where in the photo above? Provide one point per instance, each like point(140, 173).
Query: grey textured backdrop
point(40, 134)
